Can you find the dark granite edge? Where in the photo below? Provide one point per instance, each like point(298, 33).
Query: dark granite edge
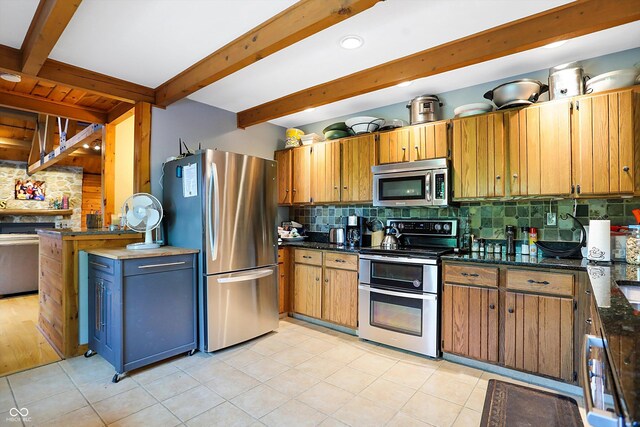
point(320, 246)
point(520, 260)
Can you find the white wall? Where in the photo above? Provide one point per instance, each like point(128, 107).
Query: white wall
point(195, 123)
point(455, 98)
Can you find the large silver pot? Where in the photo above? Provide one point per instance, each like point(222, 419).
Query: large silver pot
point(566, 81)
point(424, 109)
point(516, 93)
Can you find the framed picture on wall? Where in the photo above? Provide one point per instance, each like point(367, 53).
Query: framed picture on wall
point(29, 189)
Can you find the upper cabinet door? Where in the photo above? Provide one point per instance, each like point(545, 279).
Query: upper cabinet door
point(393, 146)
point(301, 174)
point(428, 141)
point(540, 149)
point(325, 172)
point(479, 156)
point(358, 155)
point(283, 158)
point(603, 142)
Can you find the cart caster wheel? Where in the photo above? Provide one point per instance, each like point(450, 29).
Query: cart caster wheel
point(115, 378)
point(89, 353)
point(192, 352)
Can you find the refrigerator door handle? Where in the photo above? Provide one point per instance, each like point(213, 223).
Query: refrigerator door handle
point(213, 199)
point(246, 277)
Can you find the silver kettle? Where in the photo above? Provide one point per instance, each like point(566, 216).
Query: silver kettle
point(390, 240)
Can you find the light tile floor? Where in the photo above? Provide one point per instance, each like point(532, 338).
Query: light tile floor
point(301, 375)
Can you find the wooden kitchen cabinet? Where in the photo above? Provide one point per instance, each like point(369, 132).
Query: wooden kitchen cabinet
point(429, 141)
point(603, 144)
point(393, 146)
point(325, 172)
point(540, 149)
point(283, 280)
point(538, 335)
point(479, 156)
point(301, 180)
point(358, 155)
point(470, 311)
point(326, 286)
point(285, 176)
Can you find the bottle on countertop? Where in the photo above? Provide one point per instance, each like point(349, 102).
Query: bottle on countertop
point(524, 248)
point(510, 232)
point(482, 241)
point(533, 241)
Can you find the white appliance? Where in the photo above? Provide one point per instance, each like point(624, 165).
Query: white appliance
point(420, 183)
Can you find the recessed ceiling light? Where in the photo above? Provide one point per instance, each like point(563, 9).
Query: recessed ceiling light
point(351, 42)
point(85, 145)
point(308, 110)
point(14, 78)
point(97, 148)
point(404, 84)
point(555, 44)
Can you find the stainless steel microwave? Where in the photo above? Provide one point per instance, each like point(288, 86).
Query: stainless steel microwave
point(420, 183)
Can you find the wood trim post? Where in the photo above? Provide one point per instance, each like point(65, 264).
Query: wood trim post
point(142, 148)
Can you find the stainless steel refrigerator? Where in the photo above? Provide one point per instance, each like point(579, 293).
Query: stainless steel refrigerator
point(224, 204)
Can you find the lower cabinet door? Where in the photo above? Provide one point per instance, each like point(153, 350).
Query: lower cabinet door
point(340, 297)
point(307, 298)
point(103, 318)
point(470, 321)
point(539, 334)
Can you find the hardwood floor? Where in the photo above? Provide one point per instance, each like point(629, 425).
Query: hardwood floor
point(22, 346)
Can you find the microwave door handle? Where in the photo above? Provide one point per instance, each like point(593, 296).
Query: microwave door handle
point(427, 185)
point(595, 416)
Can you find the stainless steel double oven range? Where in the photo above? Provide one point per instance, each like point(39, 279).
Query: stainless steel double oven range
point(399, 290)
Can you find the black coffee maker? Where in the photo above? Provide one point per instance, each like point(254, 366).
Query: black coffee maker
point(355, 230)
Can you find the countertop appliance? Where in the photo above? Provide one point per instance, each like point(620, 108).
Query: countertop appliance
point(424, 109)
point(566, 80)
point(420, 183)
point(355, 229)
point(224, 204)
point(399, 289)
point(336, 236)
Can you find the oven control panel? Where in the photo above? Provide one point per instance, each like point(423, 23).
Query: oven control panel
point(436, 227)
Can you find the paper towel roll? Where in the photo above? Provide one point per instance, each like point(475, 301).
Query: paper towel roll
point(599, 240)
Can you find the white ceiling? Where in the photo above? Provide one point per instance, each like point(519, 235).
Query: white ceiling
point(150, 41)
point(15, 17)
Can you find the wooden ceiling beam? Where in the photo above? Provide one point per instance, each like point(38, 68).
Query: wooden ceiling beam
point(38, 105)
point(296, 23)
point(78, 78)
point(120, 112)
point(49, 21)
point(568, 21)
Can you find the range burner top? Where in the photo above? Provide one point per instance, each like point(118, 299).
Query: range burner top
point(417, 252)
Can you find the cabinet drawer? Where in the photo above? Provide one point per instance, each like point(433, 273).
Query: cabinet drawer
point(471, 275)
point(157, 264)
point(339, 260)
point(305, 256)
point(102, 264)
point(540, 282)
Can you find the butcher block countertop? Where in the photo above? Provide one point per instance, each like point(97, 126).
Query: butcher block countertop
point(124, 253)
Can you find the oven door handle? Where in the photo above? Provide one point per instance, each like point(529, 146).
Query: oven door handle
point(595, 416)
point(398, 260)
point(428, 297)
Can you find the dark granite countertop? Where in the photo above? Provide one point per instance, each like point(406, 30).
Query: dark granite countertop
point(80, 231)
point(520, 260)
point(620, 319)
point(320, 245)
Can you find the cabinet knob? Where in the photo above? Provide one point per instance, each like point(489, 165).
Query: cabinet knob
point(294, 190)
point(286, 190)
point(588, 321)
point(417, 148)
point(317, 279)
point(497, 176)
point(515, 176)
point(492, 306)
point(625, 168)
point(335, 187)
point(510, 310)
point(326, 280)
point(345, 187)
point(404, 148)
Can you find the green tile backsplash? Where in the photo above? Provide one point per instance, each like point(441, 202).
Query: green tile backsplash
point(486, 219)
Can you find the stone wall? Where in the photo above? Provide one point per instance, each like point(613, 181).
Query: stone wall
point(59, 181)
point(485, 219)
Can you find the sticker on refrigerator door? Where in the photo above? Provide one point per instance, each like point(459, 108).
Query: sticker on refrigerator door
point(190, 180)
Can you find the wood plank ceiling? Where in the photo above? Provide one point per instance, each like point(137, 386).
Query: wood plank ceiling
point(56, 88)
